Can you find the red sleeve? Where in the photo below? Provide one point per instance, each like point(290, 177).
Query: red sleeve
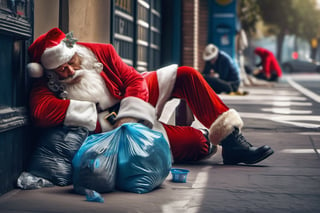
point(133, 82)
point(45, 108)
point(267, 66)
point(276, 67)
point(124, 80)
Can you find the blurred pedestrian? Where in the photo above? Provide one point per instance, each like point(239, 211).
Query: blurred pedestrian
point(270, 69)
point(241, 45)
point(220, 71)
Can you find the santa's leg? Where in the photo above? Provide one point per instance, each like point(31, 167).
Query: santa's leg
point(188, 143)
point(224, 124)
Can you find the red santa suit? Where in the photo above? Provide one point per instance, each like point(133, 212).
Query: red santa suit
point(141, 96)
point(269, 62)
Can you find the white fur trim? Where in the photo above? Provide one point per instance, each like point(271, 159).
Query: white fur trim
point(159, 127)
point(166, 80)
point(55, 56)
point(105, 125)
point(134, 107)
point(35, 70)
point(224, 126)
point(81, 113)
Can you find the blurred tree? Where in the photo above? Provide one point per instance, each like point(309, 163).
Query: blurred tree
point(249, 14)
point(296, 17)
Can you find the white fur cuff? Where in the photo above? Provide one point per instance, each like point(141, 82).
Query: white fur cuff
point(55, 56)
point(224, 126)
point(81, 113)
point(166, 80)
point(134, 107)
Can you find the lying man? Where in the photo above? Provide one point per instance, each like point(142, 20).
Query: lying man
point(88, 85)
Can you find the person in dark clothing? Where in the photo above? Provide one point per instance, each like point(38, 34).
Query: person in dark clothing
point(220, 71)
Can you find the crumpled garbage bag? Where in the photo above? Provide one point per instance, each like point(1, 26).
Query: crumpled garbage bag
point(52, 159)
point(144, 159)
point(132, 158)
point(95, 163)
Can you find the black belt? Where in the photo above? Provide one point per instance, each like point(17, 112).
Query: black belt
point(111, 117)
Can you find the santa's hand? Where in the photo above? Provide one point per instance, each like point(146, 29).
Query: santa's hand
point(121, 121)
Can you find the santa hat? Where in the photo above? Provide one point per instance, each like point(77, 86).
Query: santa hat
point(49, 50)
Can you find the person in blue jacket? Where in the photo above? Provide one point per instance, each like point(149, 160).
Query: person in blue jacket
point(220, 71)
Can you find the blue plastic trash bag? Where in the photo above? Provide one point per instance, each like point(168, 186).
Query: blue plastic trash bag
point(144, 159)
point(132, 158)
point(95, 163)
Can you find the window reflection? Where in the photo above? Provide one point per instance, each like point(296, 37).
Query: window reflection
point(15, 7)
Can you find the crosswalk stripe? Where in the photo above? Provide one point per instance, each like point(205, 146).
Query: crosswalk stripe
point(304, 90)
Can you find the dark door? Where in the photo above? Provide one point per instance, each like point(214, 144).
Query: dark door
point(15, 36)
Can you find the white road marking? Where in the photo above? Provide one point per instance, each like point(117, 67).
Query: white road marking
point(309, 133)
point(263, 98)
point(287, 111)
point(299, 151)
point(259, 91)
point(305, 76)
point(304, 90)
point(191, 198)
point(281, 102)
point(290, 103)
point(286, 119)
point(273, 103)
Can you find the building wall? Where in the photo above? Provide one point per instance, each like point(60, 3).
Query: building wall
point(194, 41)
point(187, 32)
point(203, 30)
point(46, 16)
point(90, 20)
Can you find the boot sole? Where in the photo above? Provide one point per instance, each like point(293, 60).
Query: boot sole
point(266, 154)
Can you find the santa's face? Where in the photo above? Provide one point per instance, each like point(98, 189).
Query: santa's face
point(85, 82)
point(69, 69)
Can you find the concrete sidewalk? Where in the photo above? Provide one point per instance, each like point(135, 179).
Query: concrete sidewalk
point(288, 181)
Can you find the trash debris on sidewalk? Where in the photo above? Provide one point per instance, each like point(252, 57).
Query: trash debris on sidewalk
point(28, 181)
point(93, 196)
point(179, 175)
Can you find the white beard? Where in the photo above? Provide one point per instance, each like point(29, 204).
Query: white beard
point(90, 86)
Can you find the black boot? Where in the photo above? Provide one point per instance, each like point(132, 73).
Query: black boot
point(236, 149)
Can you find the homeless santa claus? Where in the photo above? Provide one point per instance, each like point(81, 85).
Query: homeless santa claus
point(88, 85)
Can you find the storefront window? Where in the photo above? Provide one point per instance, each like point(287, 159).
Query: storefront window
point(124, 5)
point(14, 7)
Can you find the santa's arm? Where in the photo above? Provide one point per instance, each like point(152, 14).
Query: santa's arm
point(48, 110)
point(136, 95)
point(125, 83)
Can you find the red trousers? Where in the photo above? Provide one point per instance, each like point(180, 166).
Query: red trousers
point(188, 143)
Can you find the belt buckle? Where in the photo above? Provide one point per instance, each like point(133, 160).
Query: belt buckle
point(111, 118)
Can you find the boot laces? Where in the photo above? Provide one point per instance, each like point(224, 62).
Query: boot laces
point(241, 139)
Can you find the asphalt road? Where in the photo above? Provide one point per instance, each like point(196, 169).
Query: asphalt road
point(294, 101)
